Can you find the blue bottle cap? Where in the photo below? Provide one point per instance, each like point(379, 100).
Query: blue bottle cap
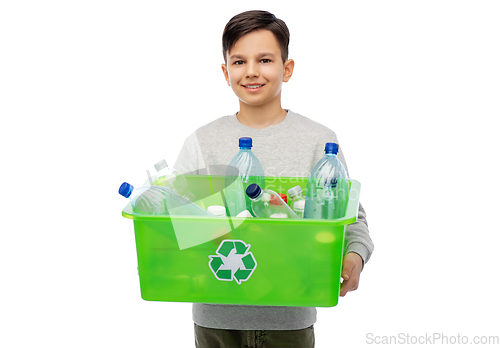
point(332, 148)
point(126, 189)
point(245, 142)
point(253, 191)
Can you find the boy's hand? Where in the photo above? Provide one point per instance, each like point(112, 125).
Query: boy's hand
point(351, 269)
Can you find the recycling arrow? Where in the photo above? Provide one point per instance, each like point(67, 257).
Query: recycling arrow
point(233, 261)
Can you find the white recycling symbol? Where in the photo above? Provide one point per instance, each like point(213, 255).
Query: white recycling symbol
point(233, 261)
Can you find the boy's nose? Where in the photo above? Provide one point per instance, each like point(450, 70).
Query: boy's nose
point(252, 70)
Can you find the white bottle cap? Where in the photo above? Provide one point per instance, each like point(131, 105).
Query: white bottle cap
point(295, 191)
point(279, 216)
point(217, 210)
point(161, 164)
point(244, 213)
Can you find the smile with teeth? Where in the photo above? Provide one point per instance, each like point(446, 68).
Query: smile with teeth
point(252, 86)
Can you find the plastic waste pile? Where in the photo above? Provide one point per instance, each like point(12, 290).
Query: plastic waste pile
point(245, 194)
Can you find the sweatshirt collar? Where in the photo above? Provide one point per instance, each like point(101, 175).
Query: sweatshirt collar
point(277, 128)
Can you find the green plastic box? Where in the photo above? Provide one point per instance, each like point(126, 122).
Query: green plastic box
point(244, 261)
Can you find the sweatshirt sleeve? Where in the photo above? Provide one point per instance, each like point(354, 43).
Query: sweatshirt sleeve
point(357, 237)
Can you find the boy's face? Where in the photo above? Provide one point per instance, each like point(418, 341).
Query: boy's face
point(255, 70)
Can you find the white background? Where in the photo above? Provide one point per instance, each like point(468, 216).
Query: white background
point(93, 93)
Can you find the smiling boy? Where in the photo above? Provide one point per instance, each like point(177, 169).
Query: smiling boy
point(255, 69)
point(255, 50)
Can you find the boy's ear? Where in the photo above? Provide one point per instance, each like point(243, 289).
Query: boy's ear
point(226, 75)
point(288, 69)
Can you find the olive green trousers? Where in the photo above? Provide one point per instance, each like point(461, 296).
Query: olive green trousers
point(217, 338)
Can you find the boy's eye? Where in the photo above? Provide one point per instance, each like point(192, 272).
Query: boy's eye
point(240, 62)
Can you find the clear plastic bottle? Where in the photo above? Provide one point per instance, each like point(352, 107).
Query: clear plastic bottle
point(244, 169)
point(172, 179)
point(159, 200)
point(145, 200)
point(327, 187)
point(298, 201)
point(268, 204)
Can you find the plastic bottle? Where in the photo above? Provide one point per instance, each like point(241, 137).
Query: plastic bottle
point(145, 200)
point(172, 179)
point(298, 200)
point(327, 187)
point(268, 204)
point(244, 169)
point(158, 200)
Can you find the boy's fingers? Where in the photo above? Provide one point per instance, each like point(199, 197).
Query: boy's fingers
point(343, 288)
point(347, 269)
point(345, 275)
point(351, 278)
point(348, 285)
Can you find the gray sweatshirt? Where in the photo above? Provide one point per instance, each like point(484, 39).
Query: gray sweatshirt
point(289, 149)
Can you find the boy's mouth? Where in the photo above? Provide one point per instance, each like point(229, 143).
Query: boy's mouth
point(253, 87)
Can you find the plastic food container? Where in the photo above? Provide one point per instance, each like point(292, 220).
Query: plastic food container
point(244, 261)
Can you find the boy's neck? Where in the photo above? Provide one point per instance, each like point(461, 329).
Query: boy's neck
point(260, 117)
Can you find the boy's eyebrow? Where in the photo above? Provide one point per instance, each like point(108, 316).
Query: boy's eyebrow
point(236, 56)
point(239, 56)
point(269, 54)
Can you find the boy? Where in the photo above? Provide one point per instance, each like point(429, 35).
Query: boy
point(255, 49)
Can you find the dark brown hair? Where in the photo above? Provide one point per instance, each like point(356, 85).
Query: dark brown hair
point(249, 21)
